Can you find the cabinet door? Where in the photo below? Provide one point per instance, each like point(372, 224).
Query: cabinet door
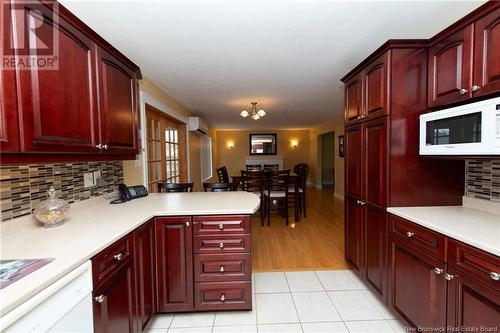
point(375, 149)
point(144, 263)
point(376, 87)
point(118, 105)
point(353, 100)
point(487, 54)
point(376, 248)
point(354, 161)
point(450, 68)
point(416, 291)
point(471, 304)
point(9, 121)
point(174, 264)
point(114, 302)
point(354, 241)
point(58, 105)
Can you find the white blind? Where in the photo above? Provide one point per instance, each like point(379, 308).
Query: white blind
point(206, 157)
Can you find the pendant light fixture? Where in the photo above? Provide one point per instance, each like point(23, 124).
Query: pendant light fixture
point(255, 112)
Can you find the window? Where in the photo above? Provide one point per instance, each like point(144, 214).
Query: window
point(206, 157)
point(166, 149)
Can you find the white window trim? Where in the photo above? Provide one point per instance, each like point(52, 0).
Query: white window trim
point(147, 99)
point(211, 158)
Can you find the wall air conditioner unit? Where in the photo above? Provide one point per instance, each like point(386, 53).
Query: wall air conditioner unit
point(197, 124)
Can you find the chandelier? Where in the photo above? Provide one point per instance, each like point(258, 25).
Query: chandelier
point(255, 112)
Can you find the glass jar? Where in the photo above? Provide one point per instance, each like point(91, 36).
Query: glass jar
point(52, 211)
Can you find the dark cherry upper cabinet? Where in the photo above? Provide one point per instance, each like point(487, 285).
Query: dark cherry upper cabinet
point(59, 111)
point(376, 87)
point(487, 54)
point(174, 264)
point(471, 304)
point(114, 302)
point(118, 107)
point(354, 240)
point(353, 161)
point(9, 121)
point(417, 287)
point(353, 100)
point(450, 68)
point(144, 267)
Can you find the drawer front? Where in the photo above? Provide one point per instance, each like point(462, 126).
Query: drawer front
point(110, 259)
point(479, 264)
point(222, 267)
point(427, 240)
point(218, 244)
point(226, 224)
point(223, 296)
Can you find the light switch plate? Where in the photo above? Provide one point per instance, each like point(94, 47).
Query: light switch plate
point(88, 179)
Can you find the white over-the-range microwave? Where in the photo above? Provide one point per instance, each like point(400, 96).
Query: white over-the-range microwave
point(467, 130)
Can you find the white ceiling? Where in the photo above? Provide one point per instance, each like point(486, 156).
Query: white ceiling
point(216, 57)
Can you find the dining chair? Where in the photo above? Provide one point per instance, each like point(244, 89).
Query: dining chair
point(277, 193)
point(222, 174)
point(218, 187)
point(271, 167)
point(175, 187)
point(253, 181)
point(297, 189)
point(253, 167)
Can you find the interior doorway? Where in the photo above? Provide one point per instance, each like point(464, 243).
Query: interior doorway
point(327, 159)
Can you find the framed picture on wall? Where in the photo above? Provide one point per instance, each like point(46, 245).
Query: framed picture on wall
point(341, 146)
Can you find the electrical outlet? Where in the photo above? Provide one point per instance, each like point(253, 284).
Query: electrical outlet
point(88, 179)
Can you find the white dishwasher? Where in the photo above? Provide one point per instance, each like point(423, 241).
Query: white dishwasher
point(63, 307)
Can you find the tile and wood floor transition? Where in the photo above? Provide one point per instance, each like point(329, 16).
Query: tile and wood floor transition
point(309, 301)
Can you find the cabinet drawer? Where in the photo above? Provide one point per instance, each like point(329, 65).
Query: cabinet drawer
point(479, 264)
point(223, 296)
point(219, 244)
point(222, 267)
point(110, 259)
point(227, 224)
point(423, 238)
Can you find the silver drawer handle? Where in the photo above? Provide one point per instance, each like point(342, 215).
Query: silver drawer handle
point(187, 224)
point(475, 87)
point(221, 226)
point(99, 146)
point(221, 245)
point(222, 298)
point(495, 276)
point(438, 270)
point(448, 277)
point(221, 269)
point(463, 91)
point(105, 146)
point(99, 299)
point(118, 256)
point(410, 234)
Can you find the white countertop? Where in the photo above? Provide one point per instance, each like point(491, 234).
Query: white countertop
point(92, 226)
point(471, 226)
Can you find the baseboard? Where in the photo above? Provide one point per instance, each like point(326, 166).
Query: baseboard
point(338, 196)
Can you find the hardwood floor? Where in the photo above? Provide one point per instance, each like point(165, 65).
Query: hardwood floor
point(313, 243)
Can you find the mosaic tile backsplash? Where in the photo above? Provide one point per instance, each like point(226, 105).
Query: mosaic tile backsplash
point(22, 187)
point(482, 179)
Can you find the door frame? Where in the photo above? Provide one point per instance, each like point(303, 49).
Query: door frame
point(146, 99)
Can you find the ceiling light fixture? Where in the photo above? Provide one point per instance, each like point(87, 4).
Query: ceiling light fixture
point(255, 113)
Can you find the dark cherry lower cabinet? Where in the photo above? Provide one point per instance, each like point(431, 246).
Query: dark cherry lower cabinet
point(354, 244)
point(174, 264)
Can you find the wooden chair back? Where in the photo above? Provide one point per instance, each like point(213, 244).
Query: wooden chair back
point(217, 187)
point(252, 181)
point(253, 167)
point(277, 180)
point(223, 175)
point(271, 167)
point(175, 187)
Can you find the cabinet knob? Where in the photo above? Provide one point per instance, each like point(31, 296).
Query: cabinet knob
point(475, 87)
point(99, 146)
point(221, 269)
point(221, 245)
point(448, 277)
point(221, 226)
point(463, 91)
point(105, 146)
point(187, 224)
point(222, 298)
point(359, 117)
point(99, 299)
point(495, 276)
point(361, 203)
point(410, 234)
point(118, 256)
point(438, 270)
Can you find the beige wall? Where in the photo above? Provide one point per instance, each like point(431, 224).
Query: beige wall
point(234, 158)
point(336, 125)
point(133, 170)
